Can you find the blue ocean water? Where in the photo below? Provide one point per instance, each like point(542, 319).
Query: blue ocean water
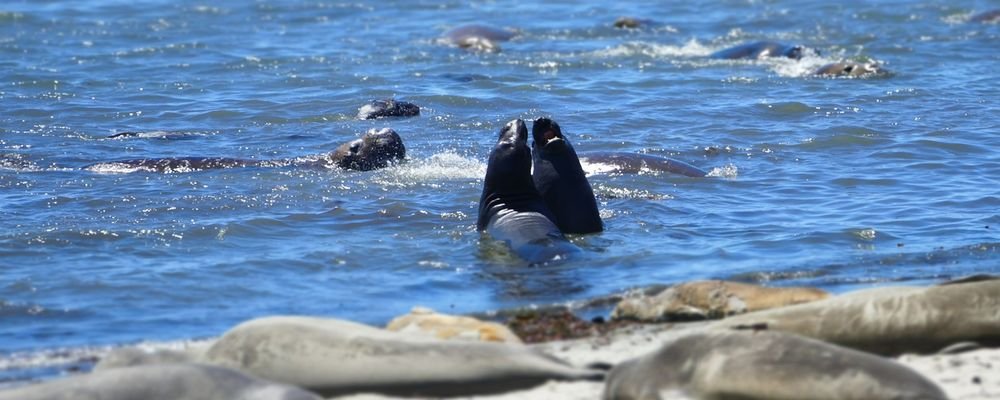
point(832, 182)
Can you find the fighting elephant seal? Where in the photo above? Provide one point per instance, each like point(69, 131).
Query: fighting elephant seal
point(388, 108)
point(851, 69)
point(560, 180)
point(763, 365)
point(334, 357)
point(478, 37)
point(373, 150)
point(758, 50)
point(510, 208)
point(891, 320)
point(634, 163)
point(159, 382)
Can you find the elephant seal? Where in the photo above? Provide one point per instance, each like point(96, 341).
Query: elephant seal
point(758, 50)
point(763, 365)
point(634, 162)
point(388, 108)
point(510, 208)
point(426, 322)
point(851, 69)
point(986, 17)
point(478, 37)
point(334, 357)
point(560, 180)
point(159, 382)
point(891, 320)
point(700, 300)
point(373, 150)
point(631, 22)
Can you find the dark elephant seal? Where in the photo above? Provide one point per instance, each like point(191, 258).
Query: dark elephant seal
point(851, 69)
point(631, 22)
point(986, 17)
point(334, 357)
point(159, 382)
point(634, 162)
point(510, 208)
point(388, 108)
point(560, 180)
point(763, 365)
point(478, 37)
point(373, 150)
point(758, 50)
point(891, 320)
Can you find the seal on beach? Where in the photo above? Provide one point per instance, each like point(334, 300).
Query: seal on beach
point(700, 300)
point(510, 208)
point(426, 322)
point(763, 365)
point(891, 320)
point(851, 69)
point(388, 108)
point(634, 163)
point(758, 50)
point(478, 37)
point(334, 357)
point(159, 382)
point(373, 150)
point(560, 180)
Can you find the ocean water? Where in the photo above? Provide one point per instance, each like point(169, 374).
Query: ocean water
point(831, 182)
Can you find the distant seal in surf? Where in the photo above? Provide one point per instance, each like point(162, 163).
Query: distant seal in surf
point(560, 180)
point(763, 365)
point(478, 37)
point(851, 69)
point(758, 50)
point(891, 320)
point(373, 150)
point(335, 357)
point(388, 108)
point(159, 382)
point(631, 22)
point(635, 162)
point(986, 17)
point(510, 208)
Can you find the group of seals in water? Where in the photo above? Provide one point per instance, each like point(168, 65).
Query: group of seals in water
point(765, 49)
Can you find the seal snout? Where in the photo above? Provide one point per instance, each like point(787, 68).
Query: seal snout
point(545, 131)
point(515, 131)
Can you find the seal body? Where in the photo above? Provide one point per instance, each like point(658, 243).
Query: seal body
point(986, 17)
point(763, 365)
point(159, 382)
point(891, 320)
point(560, 180)
point(335, 357)
point(373, 150)
point(851, 69)
point(758, 50)
point(388, 108)
point(510, 208)
point(478, 37)
point(634, 162)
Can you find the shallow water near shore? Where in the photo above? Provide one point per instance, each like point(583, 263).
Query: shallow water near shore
point(830, 182)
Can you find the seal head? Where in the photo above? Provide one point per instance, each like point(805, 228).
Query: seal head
point(375, 149)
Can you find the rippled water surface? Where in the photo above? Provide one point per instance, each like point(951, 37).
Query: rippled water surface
point(839, 183)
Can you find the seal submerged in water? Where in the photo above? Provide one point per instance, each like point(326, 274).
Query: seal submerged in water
point(388, 108)
point(851, 69)
point(510, 208)
point(373, 150)
point(758, 50)
point(478, 37)
point(560, 180)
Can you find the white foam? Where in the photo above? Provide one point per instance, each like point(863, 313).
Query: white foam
point(438, 167)
point(725, 171)
point(597, 168)
point(692, 48)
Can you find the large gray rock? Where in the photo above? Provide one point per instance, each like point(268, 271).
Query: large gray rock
point(763, 365)
point(334, 357)
point(891, 320)
point(159, 382)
